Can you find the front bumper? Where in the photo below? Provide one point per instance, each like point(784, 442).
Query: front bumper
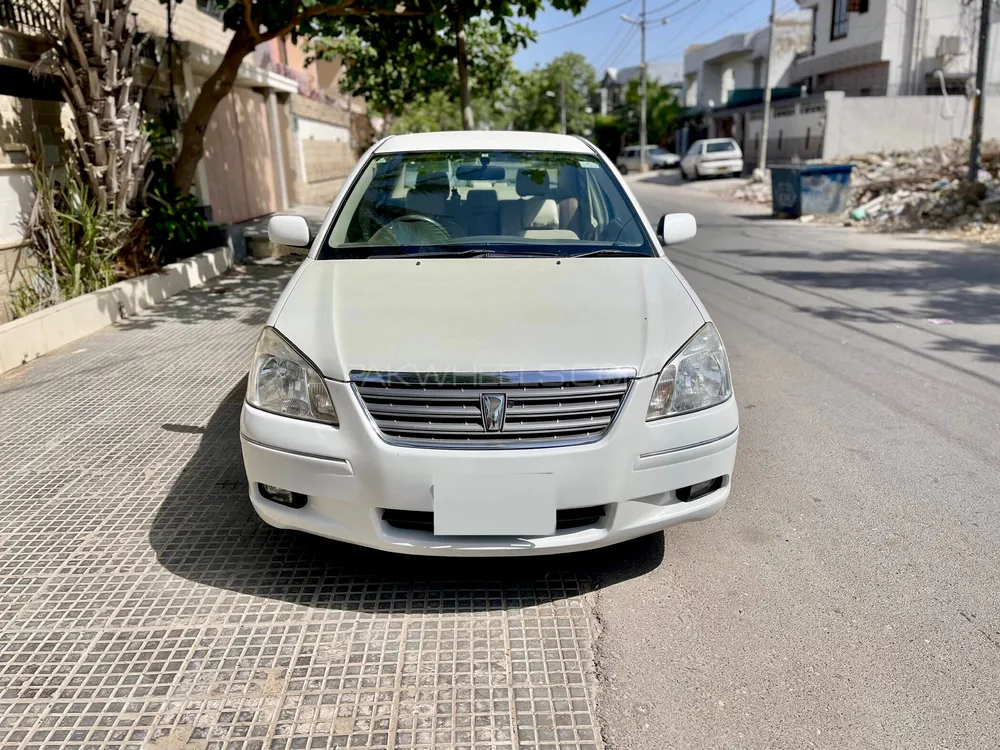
point(350, 475)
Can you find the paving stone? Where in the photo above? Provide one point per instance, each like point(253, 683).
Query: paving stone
point(144, 605)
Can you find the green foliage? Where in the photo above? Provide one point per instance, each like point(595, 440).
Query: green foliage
point(663, 113)
point(537, 110)
point(393, 79)
point(608, 132)
point(171, 221)
point(397, 60)
point(439, 111)
point(75, 243)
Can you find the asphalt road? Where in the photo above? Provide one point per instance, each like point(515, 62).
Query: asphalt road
point(849, 595)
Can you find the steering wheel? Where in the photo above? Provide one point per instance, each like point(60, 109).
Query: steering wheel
point(411, 229)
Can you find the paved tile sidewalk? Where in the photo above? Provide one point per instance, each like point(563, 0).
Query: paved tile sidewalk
point(144, 605)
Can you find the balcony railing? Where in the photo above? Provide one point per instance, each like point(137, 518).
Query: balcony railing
point(24, 16)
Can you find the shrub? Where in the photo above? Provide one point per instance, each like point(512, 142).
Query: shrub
point(75, 244)
point(172, 222)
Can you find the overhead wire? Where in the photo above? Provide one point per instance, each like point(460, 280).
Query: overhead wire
point(613, 57)
point(584, 19)
point(715, 23)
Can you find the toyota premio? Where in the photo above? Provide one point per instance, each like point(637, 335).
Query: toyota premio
point(486, 352)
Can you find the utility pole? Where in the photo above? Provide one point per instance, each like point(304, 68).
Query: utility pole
point(641, 23)
point(978, 102)
point(562, 105)
point(762, 158)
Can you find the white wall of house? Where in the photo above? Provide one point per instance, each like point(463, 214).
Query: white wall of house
point(737, 61)
point(915, 38)
point(323, 131)
point(863, 28)
point(900, 122)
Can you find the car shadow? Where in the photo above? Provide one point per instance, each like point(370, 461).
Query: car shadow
point(206, 531)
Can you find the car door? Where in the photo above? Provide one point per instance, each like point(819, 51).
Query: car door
point(690, 160)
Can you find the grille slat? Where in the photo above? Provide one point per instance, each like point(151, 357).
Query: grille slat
point(377, 408)
point(542, 409)
point(560, 408)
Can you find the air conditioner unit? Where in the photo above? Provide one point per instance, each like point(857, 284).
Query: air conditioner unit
point(949, 46)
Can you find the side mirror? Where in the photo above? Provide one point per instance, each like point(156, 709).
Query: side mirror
point(292, 231)
point(674, 228)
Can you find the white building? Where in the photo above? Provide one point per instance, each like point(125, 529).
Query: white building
point(880, 48)
point(739, 61)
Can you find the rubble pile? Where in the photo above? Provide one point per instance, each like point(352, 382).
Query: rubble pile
point(926, 189)
point(754, 192)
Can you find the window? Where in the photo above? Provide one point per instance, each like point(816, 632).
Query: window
point(720, 147)
point(490, 202)
point(838, 24)
point(213, 7)
point(862, 6)
point(695, 149)
point(808, 134)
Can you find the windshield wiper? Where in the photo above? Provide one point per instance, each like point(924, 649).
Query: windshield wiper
point(608, 252)
point(470, 253)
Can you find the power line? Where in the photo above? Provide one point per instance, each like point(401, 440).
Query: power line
point(613, 57)
point(615, 41)
point(677, 12)
point(584, 19)
point(662, 7)
point(714, 24)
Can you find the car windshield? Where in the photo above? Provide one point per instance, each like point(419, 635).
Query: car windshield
point(485, 203)
point(657, 151)
point(720, 146)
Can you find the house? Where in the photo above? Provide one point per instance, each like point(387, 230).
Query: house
point(285, 135)
point(615, 83)
point(882, 48)
point(714, 71)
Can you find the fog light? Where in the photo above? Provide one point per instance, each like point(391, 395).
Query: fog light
point(687, 494)
point(282, 497)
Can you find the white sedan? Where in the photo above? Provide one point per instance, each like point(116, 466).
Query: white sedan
point(486, 352)
point(715, 157)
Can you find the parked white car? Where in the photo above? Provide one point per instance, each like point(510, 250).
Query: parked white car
point(711, 158)
point(656, 157)
point(486, 352)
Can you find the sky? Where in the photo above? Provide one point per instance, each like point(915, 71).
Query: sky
point(608, 41)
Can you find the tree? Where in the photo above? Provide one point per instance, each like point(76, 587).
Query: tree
point(394, 85)
point(440, 111)
point(95, 58)
point(663, 112)
point(539, 110)
point(253, 23)
point(398, 61)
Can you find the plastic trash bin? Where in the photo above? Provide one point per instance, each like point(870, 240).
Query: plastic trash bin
point(798, 189)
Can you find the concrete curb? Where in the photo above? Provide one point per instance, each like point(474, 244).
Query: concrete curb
point(27, 338)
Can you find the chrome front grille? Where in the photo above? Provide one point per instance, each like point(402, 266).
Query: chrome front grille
point(456, 410)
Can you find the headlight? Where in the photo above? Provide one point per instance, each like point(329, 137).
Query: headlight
point(284, 382)
point(696, 378)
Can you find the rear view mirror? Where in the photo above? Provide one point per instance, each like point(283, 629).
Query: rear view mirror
point(484, 173)
point(674, 228)
point(292, 231)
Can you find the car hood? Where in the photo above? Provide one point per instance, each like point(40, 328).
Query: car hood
point(487, 314)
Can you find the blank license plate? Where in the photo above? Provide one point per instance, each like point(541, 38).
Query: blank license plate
point(494, 505)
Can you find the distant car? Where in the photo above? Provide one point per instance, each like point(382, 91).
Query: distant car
point(711, 158)
point(656, 157)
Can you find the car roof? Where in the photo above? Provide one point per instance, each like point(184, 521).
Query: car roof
point(719, 140)
point(486, 140)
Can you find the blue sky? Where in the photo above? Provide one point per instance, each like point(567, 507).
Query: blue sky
point(607, 41)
